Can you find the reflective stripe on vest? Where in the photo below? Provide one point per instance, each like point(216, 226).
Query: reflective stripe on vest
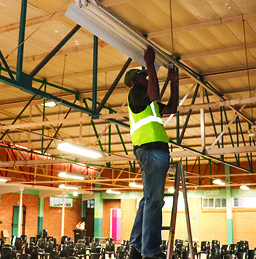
point(144, 121)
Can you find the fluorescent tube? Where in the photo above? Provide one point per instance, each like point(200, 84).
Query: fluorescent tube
point(244, 187)
point(97, 19)
point(79, 150)
point(68, 187)
point(112, 192)
point(133, 184)
point(71, 176)
point(218, 181)
point(4, 179)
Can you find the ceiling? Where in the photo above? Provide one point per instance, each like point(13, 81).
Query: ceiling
point(214, 45)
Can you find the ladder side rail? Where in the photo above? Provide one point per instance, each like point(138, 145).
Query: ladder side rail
point(174, 214)
point(190, 241)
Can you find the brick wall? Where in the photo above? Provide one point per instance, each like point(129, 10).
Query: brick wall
point(52, 219)
point(8, 200)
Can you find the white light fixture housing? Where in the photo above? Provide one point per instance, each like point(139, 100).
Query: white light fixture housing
point(68, 187)
point(112, 192)
point(96, 18)
point(49, 104)
point(133, 184)
point(71, 176)
point(219, 182)
point(244, 187)
point(79, 150)
point(4, 179)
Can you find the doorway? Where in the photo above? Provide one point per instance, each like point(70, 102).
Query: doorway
point(89, 220)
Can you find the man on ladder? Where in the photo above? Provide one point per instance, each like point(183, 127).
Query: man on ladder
point(152, 152)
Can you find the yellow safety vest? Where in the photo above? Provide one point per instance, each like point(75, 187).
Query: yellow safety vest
point(147, 126)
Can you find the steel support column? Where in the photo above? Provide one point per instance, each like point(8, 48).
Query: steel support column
point(23, 14)
point(95, 74)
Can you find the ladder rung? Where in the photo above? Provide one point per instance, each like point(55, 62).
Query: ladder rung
point(168, 194)
point(165, 228)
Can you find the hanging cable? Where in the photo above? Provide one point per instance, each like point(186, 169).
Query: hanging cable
point(247, 65)
point(35, 30)
point(171, 20)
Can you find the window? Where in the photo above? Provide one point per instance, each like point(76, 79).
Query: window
point(244, 202)
point(90, 204)
point(57, 202)
point(214, 203)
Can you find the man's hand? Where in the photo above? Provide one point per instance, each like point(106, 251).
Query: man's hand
point(172, 74)
point(149, 56)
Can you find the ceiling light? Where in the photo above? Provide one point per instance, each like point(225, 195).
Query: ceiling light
point(80, 150)
point(244, 187)
point(75, 194)
point(49, 104)
point(4, 179)
point(68, 187)
point(219, 182)
point(133, 184)
point(112, 192)
point(71, 176)
point(96, 18)
point(171, 190)
point(251, 133)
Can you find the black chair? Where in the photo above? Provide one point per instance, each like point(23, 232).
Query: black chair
point(34, 252)
point(252, 254)
point(120, 252)
point(243, 246)
point(18, 244)
point(205, 246)
point(110, 247)
point(7, 252)
point(54, 255)
point(63, 239)
point(24, 238)
point(2, 242)
point(234, 248)
point(24, 256)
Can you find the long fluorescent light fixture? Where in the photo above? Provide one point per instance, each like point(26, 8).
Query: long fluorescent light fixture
point(98, 20)
point(219, 182)
point(68, 187)
point(71, 176)
point(4, 179)
point(133, 184)
point(79, 150)
point(112, 192)
point(244, 187)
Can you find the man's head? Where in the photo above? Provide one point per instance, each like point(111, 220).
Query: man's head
point(134, 75)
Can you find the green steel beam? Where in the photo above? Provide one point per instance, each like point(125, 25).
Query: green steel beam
point(213, 123)
point(125, 150)
point(114, 84)
point(54, 51)
point(44, 95)
point(6, 66)
point(229, 130)
point(237, 138)
point(42, 138)
point(95, 74)
point(221, 130)
point(241, 131)
point(44, 81)
point(188, 115)
point(23, 14)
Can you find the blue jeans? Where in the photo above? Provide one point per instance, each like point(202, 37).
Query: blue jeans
point(146, 233)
